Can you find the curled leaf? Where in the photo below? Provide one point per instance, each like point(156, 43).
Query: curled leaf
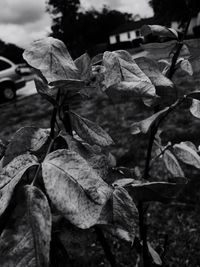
point(187, 154)
point(121, 217)
point(27, 139)
point(124, 79)
point(159, 30)
point(172, 164)
point(26, 240)
point(195, 108)
point(144, 125)
point(90, 131)
point(74, 187)
point(52, 58)
point(10, 176)
point(83, 64)
point(151, 69)
point(96, 159)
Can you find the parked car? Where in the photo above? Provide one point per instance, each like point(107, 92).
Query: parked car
point(11, 78)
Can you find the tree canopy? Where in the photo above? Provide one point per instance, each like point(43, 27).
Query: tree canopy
point(80, 30)
point(168, 10)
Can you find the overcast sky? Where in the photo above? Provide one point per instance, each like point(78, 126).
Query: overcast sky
point(22, 21)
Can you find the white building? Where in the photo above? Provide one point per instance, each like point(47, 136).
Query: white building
point(129, 31)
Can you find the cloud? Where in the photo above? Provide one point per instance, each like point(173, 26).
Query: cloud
point(140, 7)
point(21, 11)
point(22, 21)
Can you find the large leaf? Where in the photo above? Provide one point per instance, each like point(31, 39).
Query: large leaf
point(186, 154)
point(155, 191)
point(26, 139)
point(74, 187)
point(151, 69)
point(172, 164)
point(120, 217)
point(195, 108)
point(124, 79)
point(159, 30)
point(51, 57)
point(10, 176)
point(97, 160)
point(26, 239)
point(90, 131)
point(144, 125)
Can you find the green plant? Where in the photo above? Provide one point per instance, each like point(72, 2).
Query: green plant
point(59, 180)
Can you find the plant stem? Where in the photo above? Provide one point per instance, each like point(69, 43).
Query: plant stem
point(154, 129)
point(110, 257)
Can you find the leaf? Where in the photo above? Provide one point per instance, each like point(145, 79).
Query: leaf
point(194, 95)
point(124, 79)
point(144, 125)
point(26, 240)
point(151, 69)
point(158, 30)
point(10, 176)
point(155, 191)
point(187, 155)
point(83, 64)
point(186, 66)
point(74, 187)
point(90, 131)
point(121, 218)
point(27, 139)
point(97, 160)
point(154, 255)
point(44, 89)
point(195, 108)
point(52, 58)
point(172, 165)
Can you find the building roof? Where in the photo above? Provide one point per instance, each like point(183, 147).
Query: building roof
point(133, 25)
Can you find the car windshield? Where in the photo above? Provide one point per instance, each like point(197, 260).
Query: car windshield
point(4, 65)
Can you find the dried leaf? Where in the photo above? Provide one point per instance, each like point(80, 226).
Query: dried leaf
point(151, 69)
point(172, 165)
point(74, 187)
point(187, 155)
point(159, 30)
point(89, 131)
point(26, 139)
point(144, 125)
point(121, 217)
point(10, 176)
point(83, 64)
point(184, 65)
point(97, 160)
point(52, 58)
point(26, 240)
point(195, 108)
point(124, 79)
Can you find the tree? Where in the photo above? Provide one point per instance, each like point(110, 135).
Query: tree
point(81, 31)
point(179, 10)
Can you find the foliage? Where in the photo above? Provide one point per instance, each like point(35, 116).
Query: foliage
point(73, 26)
point(62, 174)
point(174, 10)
